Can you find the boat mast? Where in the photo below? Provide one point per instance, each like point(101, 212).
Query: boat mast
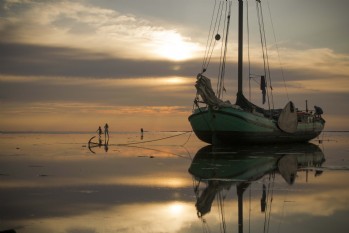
point(240, 49)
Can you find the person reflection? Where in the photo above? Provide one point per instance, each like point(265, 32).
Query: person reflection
point(99, 142)
point(106, 145)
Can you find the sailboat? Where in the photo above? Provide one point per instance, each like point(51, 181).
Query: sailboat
point(219, 122)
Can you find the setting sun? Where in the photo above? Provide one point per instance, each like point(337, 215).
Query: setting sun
point(176, 208)
point(173, 46)
point(175, 80)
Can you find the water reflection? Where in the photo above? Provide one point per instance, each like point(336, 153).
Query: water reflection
point(219, 169)
point(92, 144)
point(146, 187)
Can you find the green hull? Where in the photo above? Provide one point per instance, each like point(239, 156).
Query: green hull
point(249, 163)
point(230, 165)
point(235, 126)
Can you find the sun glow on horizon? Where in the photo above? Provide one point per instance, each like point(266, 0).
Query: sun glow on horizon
point(175, 80)
point(176, 208)
point(171, 45)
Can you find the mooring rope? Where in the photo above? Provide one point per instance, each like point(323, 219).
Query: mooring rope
point(154, 140)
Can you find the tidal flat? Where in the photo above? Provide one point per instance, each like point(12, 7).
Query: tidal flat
point(171, 182)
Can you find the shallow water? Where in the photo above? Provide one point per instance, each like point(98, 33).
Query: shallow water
point(56, 183)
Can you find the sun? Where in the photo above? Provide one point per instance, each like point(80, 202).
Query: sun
point(176, 208)
point(173, 46)
point(174, 80)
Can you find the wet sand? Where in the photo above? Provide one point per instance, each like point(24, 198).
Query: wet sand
point(54, 183)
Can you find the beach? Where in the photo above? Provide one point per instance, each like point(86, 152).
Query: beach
point(57, 182)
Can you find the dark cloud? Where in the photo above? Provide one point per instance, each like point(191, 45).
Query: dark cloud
point(80, 90)
point(34, 60)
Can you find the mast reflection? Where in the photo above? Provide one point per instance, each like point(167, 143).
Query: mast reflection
point(221, 168)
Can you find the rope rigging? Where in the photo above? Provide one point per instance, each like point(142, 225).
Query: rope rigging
point(211, 40)
point(220, 16)
point(224, 48)
point(218, 33)
point(248, 51)
point(264, 51)
point(265, 54)
point(277, 50)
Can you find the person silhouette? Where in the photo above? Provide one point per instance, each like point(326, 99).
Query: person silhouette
point(106, 131)
point(99, 131)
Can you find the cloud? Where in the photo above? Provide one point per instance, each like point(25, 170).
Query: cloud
point(29, 60)
point(84, 26)
point(322, 60)
point(54, 103)
point(75, 52)
point(169, 91)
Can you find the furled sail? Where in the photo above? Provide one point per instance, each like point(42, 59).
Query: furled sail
point(263, 88)
point(204, 89)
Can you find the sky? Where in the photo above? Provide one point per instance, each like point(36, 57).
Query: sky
point(75, 65)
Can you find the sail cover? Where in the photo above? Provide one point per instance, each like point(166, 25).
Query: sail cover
point(263, 88)
point(204, 89)
point(288, 120)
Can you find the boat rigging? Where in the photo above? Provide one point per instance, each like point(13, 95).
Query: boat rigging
point(220, 121)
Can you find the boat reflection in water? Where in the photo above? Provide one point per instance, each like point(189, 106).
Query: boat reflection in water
point(222, 168)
